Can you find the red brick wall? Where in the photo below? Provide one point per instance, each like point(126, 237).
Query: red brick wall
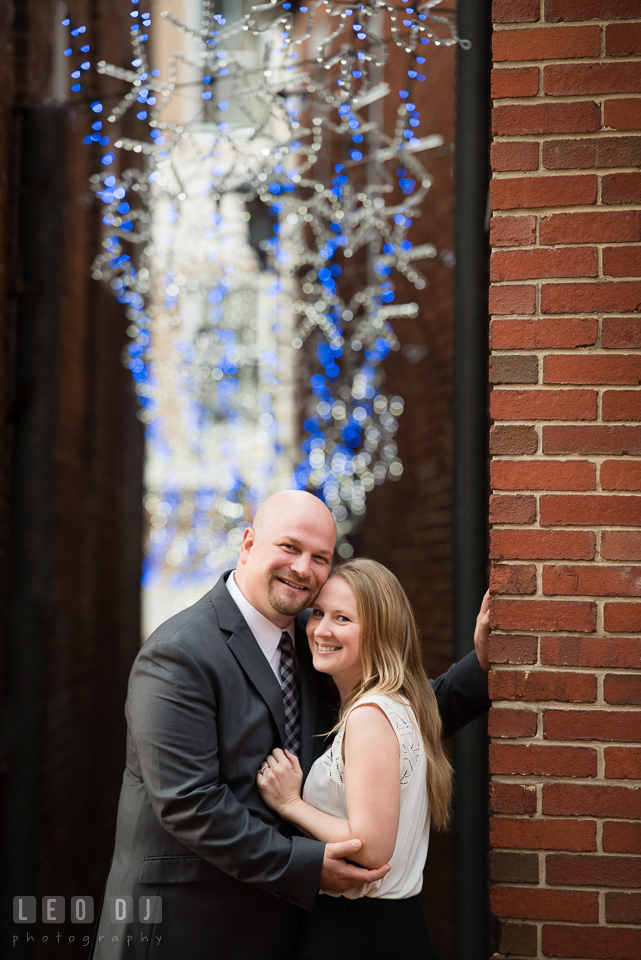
point(566, 368)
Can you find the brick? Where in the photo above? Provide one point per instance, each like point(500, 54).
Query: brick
point(572, 10)
point(512, 509)
point(518, 939)
point(518, 299)
point(560, 368)
point(592, 580)
point(531, 264)
point(514, 867)
point(513, 441)
point(517, 82)
point(622, 114)
point(542, 334)
point(623, 39)
point(542, 118)
point(514, 369)
point(514, 82)
point(513, 648)
point(621, 333)
point(512, 798)
point(592, 725)
point(622, 763)
point(543, 404)
point(515, 11)
point(577, 835)
point(591, 297)
point(540, 760)
point(613, 227)
point(621, 475)
point(514, 156)
point(543, 615)
point(590, 79)
point(560, 511)
point(592, 440)
point(622, 261)
point(593, 871)
point(590, 652)
point(545, 43)
point(621, 405)
point(511, 723)
point(623, 907)
point(584, 153)
point(563, 799)
point(622, 837)
point(531, 904)
point(621, 188)
point(548, 191)
point(622, 688)
point(609, 943)
point(621, 545)
point(542, 545)
point(513, 579)
point(542, 475)
point(512, 231)
point(622, 617)
point(541, 685)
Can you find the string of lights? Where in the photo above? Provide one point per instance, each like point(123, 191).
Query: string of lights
point(257, 248)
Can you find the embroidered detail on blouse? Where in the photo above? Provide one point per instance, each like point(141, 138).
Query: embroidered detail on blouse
point(332, 760)
point(409, 737)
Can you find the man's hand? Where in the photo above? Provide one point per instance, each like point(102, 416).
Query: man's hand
point(338, 875)
point(482, 634)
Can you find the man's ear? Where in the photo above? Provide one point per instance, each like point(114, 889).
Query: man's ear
point(249, 538)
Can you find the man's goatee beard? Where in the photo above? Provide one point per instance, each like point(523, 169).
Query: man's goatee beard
point(288, 608)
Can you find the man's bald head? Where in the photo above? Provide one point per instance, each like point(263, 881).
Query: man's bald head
point(286, 555)
point(289, 504)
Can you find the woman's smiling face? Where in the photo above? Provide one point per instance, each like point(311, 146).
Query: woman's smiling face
point(334, 634)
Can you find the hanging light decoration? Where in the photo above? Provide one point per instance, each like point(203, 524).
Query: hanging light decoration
point(268, 233)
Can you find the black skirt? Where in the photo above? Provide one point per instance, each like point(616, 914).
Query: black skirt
point(369, 928)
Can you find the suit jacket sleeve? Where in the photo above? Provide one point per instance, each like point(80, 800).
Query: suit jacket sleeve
point(173, 725)
point(461, 694)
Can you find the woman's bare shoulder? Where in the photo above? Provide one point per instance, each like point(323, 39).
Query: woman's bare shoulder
point(368, 719)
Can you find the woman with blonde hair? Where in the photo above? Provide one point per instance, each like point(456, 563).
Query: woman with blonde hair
point(385, 777)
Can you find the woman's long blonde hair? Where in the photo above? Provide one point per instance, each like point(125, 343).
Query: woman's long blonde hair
point(392, 665)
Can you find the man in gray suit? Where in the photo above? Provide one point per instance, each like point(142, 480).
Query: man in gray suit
point(212, 692)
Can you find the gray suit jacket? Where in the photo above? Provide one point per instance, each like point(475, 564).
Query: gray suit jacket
point(203, 711)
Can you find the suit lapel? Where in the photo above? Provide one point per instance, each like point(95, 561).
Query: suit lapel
point(309, 697)
point(243, 645)
point(251, 658)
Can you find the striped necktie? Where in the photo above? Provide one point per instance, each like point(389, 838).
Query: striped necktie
point(291, 694)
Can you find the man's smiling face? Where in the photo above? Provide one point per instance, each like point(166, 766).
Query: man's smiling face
point(286, 556)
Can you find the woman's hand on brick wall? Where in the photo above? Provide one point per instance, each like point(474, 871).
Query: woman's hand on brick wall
point(482, 634)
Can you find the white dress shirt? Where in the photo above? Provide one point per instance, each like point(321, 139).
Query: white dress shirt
point(267, 634)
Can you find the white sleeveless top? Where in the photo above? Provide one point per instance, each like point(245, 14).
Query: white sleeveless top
point(325, 790)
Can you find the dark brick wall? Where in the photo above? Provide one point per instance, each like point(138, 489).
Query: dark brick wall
point(93, 628)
